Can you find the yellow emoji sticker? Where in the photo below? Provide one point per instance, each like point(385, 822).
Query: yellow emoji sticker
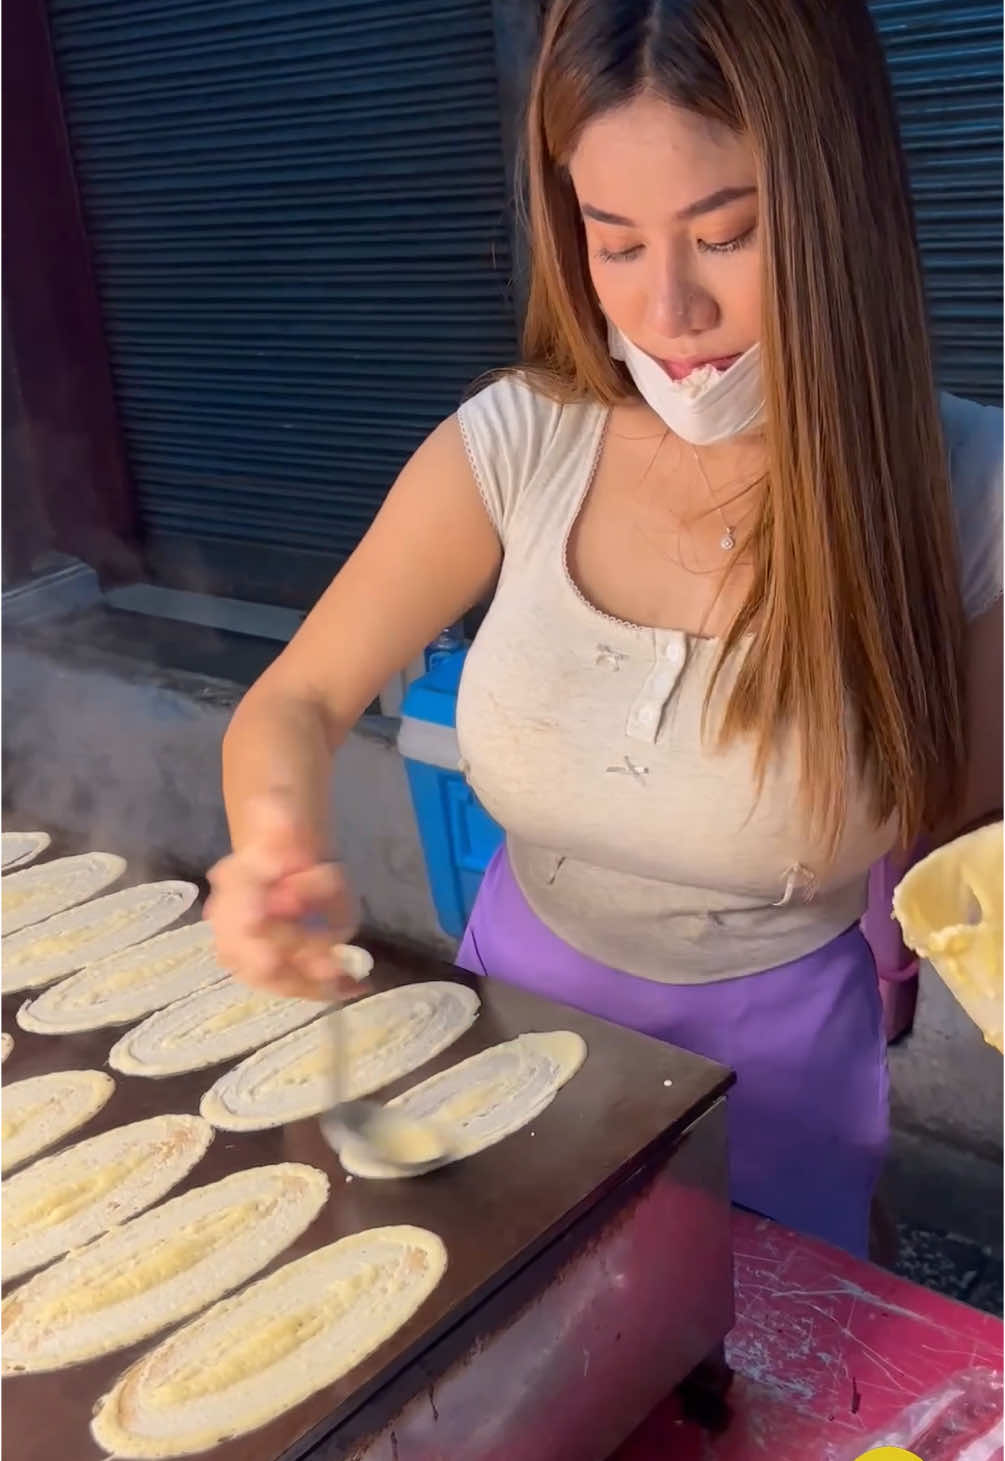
point(889, 1453)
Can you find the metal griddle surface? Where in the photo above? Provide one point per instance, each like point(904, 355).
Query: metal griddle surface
point(494, 1211)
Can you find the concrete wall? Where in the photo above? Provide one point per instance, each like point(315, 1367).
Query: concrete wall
point(130, 762)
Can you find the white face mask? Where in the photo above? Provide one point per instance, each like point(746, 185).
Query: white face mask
point(710, 405)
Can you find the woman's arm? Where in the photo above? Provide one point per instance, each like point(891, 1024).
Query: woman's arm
point(431, 553)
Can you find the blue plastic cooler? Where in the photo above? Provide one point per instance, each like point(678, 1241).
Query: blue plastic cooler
point(458, 836)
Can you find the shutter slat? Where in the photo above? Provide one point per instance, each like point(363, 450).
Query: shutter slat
point(298, 218)
point(299, 223)
point(946, 66)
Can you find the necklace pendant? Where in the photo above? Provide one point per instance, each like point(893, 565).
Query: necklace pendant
point(727, 542)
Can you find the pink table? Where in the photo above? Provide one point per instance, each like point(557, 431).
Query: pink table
point(826, 1350)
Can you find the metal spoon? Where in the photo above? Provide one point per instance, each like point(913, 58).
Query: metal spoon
point(411, 1147)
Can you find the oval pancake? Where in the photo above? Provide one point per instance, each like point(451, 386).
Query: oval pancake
point(48, 951)
point(251, 1357)
point(208, 1027)
point(63, 1201)
point(385, 1037)
point(39, 1111)
point(483, 1099)
point(128, 985)
point(17, 849)
point(40, 892)
point(158, 1268)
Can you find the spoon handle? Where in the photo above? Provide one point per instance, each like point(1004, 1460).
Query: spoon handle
point(317, 923)
point(337, 1045)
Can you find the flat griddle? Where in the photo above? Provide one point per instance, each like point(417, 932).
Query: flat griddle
point(624, 1111)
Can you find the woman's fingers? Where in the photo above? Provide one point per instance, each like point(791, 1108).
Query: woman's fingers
point(279, 934)
point(320, 893)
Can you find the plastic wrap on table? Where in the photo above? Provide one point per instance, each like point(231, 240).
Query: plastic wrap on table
point(960, 1421)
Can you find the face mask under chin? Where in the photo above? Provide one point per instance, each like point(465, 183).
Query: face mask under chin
point(709, 406)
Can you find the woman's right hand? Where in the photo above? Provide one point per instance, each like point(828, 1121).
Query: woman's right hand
point(277, 909)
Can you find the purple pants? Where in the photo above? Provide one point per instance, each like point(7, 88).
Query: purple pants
point(809, 1115)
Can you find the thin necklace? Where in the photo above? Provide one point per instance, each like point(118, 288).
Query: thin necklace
point(728, 540)
point(652, 459)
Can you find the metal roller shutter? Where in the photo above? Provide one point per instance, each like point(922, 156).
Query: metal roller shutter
point(298, 216)
point(945, 60)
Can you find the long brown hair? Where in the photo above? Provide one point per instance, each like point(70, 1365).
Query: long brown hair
point(855, 603)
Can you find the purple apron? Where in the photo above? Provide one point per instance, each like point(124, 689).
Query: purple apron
point(896, 966)
point(809, 1116)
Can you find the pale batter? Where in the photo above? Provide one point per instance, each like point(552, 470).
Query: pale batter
point(256, 1355)
point(127, 986)
point(158, 1268)
point(63, 1201)
point(208, 1027)
point(6, 1046)
point(385, 1037)
point(41, 1110)
point(356, 963)
point(95, 930)
point(481, 1100)
point(949, 907)
point(52, 887)
point(17, 849)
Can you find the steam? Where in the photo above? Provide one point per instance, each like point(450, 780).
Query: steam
point(128, 766)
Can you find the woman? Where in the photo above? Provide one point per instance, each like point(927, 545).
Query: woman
point(746, 631)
